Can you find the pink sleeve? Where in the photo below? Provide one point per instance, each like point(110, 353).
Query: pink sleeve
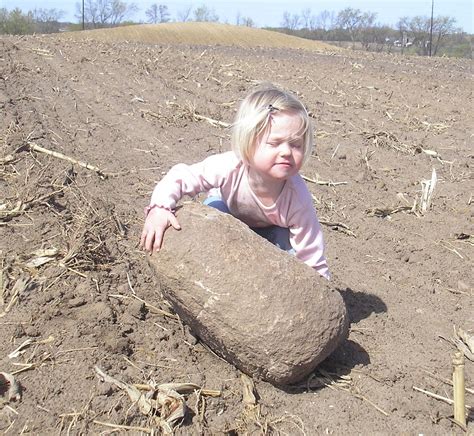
point(306, 237)
point(190, 180)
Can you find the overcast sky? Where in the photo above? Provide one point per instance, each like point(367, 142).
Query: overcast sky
point(270, 12)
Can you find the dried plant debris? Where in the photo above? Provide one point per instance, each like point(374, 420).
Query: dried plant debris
point(164, 405)
point(18, 351)
point(8, 159)
point(420, 205)
point(10, 389)
point(9, 210)
point(85, 240)
point(389, 140)
point(251, 415)
point(36, 147)
point(427, 191)
point(42, 256)
point(338, 226)
point(464, 341)
point(18, 288)
point(249, 395)
point(383, 212)
point(426, 126)
point(341, 382)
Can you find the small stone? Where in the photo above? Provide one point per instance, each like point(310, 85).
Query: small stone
point(32, 331)
point(190, 337)
point(19, 331)
point(105, 389)
point(163, 335)
point(463, 286)
point(116, 344)
point(76, 302)
point(137, 309)
point(99, 312)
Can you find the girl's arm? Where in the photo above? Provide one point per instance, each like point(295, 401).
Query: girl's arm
point(306, 237)
point(181, 180)
point(190, 180)
point(309, 246)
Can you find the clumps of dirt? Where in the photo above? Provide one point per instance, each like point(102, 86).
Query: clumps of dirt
point(76, 292)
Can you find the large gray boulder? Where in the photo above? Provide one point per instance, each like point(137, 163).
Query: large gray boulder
point(255, 305)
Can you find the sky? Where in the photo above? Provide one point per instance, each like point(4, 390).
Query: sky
point(270, 12)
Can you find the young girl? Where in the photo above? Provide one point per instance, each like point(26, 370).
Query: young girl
point(258, 182)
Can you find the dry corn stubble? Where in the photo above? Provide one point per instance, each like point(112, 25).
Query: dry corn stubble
point(164, 405)
point(93, 85)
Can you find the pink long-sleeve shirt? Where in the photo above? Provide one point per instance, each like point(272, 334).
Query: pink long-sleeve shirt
point(293, 209)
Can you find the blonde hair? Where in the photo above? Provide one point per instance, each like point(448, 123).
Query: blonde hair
point(253, 117)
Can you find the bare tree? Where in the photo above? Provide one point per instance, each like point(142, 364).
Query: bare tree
point(402, 27)
point(102, 13)
point(442, 26)
point(290, 22)
point(120, 11)
point(306, 18)
point(244, 21)
point(47, 20)
point(204, 13)
point(248, 22)
point(349, 19)
point(381, 37)
point(419, 30)
point(367, 29)
point(185, 14)
point(157, 14)
point(325, 20)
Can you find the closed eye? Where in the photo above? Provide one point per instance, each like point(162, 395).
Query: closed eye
point(293, 144)
point(296, 144)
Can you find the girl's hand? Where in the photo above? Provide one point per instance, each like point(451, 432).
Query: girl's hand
point(156, 222)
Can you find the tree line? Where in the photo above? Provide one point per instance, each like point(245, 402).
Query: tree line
point(358, 28)
point(416, 34)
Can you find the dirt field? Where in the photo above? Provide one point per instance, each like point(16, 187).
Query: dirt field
point(132, 110)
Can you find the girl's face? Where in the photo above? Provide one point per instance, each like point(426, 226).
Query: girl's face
point(279, 152)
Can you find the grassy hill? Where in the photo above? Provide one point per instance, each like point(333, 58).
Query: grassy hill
point(202, 34)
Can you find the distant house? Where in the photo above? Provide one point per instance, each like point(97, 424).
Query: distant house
point(405, 42)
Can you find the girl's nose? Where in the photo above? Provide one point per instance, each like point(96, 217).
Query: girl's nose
point(285, 149)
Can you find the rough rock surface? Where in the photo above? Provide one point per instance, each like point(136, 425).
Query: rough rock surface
point(260, 308)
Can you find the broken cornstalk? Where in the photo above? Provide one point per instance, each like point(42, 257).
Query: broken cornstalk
point(459, 389)
point(56, 154)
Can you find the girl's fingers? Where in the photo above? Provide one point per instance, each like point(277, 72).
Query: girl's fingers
point(158, 236)
point(152, 238)
point(143, 239)
point(174, 222)
point(148, 242)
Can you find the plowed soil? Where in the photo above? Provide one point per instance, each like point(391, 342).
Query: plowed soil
point(383, 124)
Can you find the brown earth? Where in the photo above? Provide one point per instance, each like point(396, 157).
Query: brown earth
point(130, 109)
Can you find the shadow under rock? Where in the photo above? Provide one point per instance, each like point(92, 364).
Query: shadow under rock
point(349, 354)
point(360, 304)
